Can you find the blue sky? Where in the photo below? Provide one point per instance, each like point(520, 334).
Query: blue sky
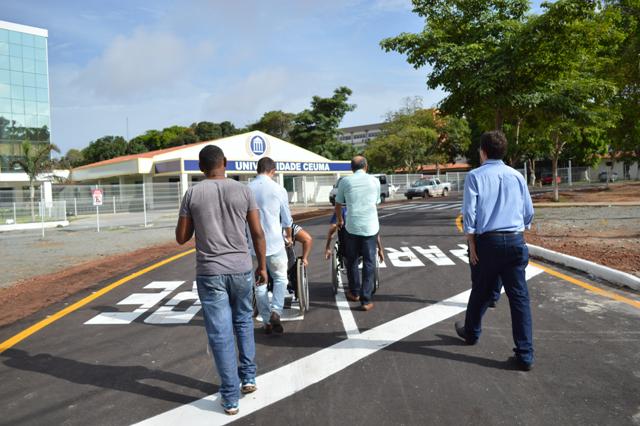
point(160, 63)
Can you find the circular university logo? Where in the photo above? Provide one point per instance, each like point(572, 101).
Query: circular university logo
point(257, 145)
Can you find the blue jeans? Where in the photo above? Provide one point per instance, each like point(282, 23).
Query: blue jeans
point(277, 267)
point(495, 296)
point(502, 257)
point(228, 308)
point(357, 246)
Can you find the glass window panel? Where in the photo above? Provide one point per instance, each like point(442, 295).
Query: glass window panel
point(30, 107)
point(28, 39)
point(4, 62)
point(28, 52)
point(5, 90)
point(40, 42)
point(4, 35)
point(40, 54)
point(16, 78)
point(29, 79)
point(31, 120)
point(5, 76)
point(41, 81)
point(43, 108)
point(18, 120)
point(15, 37)
point(15, 50)
point(29, 65)
point(43, 120)
point(30, 94)
point(4, 48)
point(41, 67)
point(42, 95)
point(17, 92)
point(5, 105)
point(17, 106)
point(16, 64)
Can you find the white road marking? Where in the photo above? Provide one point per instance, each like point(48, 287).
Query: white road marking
point(403, 258)
point(145, 301)
point(167, 315)
point(461, 253)
point(285, 381)
point(434, 254)
point(348, 321)
point(430, 206)
point(445, 206)
point(386, 215)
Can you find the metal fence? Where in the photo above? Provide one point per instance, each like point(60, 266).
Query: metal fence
point(141, 204)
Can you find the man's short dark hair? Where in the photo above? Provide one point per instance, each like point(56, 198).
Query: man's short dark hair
point(211, 157)
point(494, 144)
point(358, 163)
point(265, 165)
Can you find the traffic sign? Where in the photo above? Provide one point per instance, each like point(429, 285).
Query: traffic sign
point(96, 194)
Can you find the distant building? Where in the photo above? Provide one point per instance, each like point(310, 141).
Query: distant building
point(359, 136)
point(24, 98)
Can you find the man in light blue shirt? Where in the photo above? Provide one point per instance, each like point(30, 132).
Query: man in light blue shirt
point(273, 204)
point(360, 192)
point(496, 210)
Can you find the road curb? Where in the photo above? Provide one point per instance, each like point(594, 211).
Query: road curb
point(585, 204)
point(599, 271)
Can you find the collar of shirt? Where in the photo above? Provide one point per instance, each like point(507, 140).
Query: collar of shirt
point(358, 171)
point(490, 161)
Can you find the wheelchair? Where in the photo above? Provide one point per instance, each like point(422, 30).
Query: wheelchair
point(297, 298)
point(338, 265)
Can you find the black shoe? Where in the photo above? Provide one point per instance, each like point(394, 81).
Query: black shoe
point(493, 303)
point(276, 326)
point(462, 332)
point(520, 364)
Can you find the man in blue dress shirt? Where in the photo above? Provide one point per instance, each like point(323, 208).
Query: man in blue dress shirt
point(360, 192)
point(273, 204)
point(496, 210)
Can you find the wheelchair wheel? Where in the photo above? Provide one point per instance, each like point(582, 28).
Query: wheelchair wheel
point(376, 275)
point(303, 285)
point(334, 269)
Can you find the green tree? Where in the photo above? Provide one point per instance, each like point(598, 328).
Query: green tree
point(36, 161)
point(105, 148)
point(207, 131)
point(315, 127)
point(275, 123)
point(464, 42)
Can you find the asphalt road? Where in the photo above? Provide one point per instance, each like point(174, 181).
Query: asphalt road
point(138, 353)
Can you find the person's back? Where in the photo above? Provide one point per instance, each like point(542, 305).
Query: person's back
point(360, 192)
point(271, 200)
point(218, 209)
point(502, 195)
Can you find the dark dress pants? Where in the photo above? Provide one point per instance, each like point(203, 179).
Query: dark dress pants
point(356, 247)
point(505, 257)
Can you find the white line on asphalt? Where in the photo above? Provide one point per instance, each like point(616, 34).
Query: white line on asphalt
point(445, 206)
point(285, 381)
point(431, 206)
point(387, 215)
point(348, 321)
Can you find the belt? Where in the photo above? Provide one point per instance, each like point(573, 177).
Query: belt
point(498, 233)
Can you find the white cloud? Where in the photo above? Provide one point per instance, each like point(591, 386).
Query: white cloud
point(142, 65)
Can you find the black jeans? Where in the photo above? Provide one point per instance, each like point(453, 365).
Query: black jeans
point(356, 247)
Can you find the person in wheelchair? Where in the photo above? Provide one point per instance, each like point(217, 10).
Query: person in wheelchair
point(300, 235)
point(332, 230)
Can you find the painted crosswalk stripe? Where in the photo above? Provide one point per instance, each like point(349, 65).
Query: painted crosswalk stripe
point(285, 381)
point(445, 206)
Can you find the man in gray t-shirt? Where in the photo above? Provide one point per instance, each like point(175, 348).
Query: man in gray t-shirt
point(218, 211)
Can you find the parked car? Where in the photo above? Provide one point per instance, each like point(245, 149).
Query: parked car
point(547, 179)
point(427, 188)
point(602, 176)
point(384, 188)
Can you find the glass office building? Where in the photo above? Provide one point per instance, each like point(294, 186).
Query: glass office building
point(24, 90)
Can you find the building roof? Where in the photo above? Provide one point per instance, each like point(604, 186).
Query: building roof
point(148, 154)
point(431, 168)
point(24, 29)
point(362, 127)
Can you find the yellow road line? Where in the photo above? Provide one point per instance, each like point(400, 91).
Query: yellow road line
point(597, 290)
point(45, 322)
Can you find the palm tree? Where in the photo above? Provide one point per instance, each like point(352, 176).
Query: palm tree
point(36, 160)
